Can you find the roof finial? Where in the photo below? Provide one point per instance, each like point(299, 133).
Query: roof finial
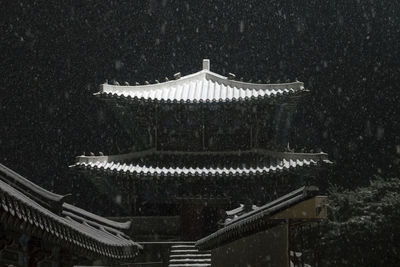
point(231, 76)
point(177, 75)
point(206, 64)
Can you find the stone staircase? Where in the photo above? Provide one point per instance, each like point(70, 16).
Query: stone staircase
point(187, 255)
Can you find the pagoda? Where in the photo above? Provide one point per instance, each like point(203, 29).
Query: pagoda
point(201, 144)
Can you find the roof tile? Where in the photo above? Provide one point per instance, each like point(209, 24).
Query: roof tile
point(202, 86)
point(72, 225)
point(286, 162)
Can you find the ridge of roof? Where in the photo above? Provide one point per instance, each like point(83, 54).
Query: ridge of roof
point(240, 210)
point(253, 220)
point(53, 200)
point(305, 191)
point(47, 198)
point(96, 218)
point(67, 226)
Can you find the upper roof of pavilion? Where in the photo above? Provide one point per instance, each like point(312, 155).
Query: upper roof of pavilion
point(204, 86)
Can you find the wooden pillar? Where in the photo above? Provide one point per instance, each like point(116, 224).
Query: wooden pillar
point(288, 240)
point(133, 196)
point(136, 189)
point(202, 128)
point(156, 126)
point(251, 135)
point(257, 128)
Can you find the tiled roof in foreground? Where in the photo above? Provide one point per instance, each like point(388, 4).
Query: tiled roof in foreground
point(201, 87)
point(71, 227)
point(255, 220)
point(120, 164)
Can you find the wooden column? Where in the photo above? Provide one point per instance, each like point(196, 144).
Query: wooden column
point(135, 188)
point(156, 126)
point(257, 129)
point(251, 135)
point(288, 240)
point(202, 128)
point(133, 197)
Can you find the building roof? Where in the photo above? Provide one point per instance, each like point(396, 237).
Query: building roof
point(70, 227)
point(126, 164)
point(201, 87)
point(255, 220)
point(242, 209)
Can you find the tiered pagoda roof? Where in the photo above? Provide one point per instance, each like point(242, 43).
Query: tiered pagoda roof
point(204, 86)
point(153, 163)
point(26, 206)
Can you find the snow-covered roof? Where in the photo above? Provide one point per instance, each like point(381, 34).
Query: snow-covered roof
point(255, 220)
point(121, 164)
point(234, 213)
point(71, 227)
point(203, 86)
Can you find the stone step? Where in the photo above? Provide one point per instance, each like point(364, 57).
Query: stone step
point(187, 255)
point(206, 254)
point(185, 251)
point(187, 260)
point(183, 246)
point(190, 265)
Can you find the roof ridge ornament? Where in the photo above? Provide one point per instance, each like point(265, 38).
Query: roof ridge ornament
point(177, 75)
point(231, 76)
point(206, 64)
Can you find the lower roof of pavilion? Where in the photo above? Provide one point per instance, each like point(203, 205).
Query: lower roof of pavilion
point(159, 164)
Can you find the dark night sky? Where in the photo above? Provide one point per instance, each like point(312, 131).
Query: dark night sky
point(55, 54)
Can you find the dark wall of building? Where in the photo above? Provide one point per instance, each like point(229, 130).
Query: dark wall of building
point(21, 248)
point(56, 54)
point(268, 248)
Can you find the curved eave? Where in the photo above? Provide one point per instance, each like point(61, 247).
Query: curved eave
point(140, 172)
point(275, 97)
point(209, 75)
point(201, 87)
point(21, 212)
point(285, 161)
point(14, 178)
point(152, 151)
point(51, 199)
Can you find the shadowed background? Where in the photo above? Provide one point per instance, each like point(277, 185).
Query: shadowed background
point(54, 54)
